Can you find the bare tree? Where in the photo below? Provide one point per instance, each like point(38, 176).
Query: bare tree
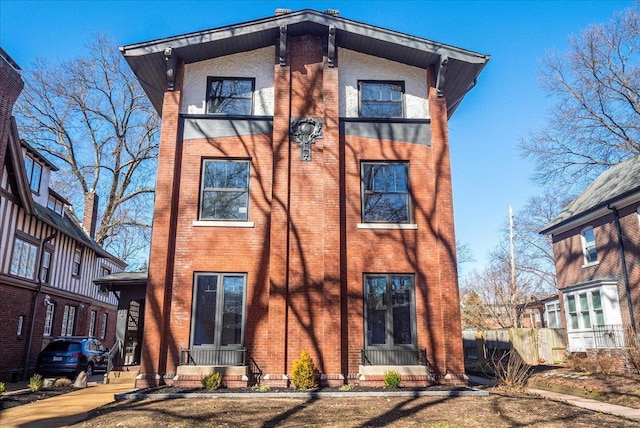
point(596, 122)
point(91, 118)
point(491, 298)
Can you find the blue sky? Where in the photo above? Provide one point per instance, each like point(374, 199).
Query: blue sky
point(489, 172)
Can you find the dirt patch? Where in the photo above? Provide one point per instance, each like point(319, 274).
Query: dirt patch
point(495, 410)
point(616, 389)
point(19, 398)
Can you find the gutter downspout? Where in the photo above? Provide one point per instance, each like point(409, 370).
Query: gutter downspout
point(35, 305)
point(625, 272)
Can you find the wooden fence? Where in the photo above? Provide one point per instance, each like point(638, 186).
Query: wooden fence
point(535, 345)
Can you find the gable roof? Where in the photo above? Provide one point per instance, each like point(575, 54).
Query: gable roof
point(147, 59)
point(15, 161)
point(615, 185)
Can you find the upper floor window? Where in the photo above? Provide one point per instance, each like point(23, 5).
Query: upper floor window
point(45, 265)
point(385, 192)
point(589, 245)
point(381, 98)
point(231, 96)
point(54, 204)
point(224, 190)
point(77, 262)
point(34, 172)
point(23, 261)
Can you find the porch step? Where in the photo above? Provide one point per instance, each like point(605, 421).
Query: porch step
point(122, 377)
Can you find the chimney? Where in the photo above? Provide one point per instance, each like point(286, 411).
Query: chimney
point(90, 216)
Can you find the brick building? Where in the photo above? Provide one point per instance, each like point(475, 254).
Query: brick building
point(47, 257)
point(596, 246)
point(303, 201)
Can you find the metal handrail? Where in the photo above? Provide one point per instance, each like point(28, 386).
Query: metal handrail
point(116, 349)
point(609, 336)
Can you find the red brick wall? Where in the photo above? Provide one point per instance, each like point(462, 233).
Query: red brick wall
point(567, 248)
point(304, 257)
point(18, 301)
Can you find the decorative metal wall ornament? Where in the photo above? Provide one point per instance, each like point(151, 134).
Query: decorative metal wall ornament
point(306, 131)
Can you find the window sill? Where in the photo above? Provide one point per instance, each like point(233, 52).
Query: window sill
point(393, 226)
point(215, 223)
point(586, 265)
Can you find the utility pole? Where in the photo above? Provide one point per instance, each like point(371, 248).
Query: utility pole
point(513, 270)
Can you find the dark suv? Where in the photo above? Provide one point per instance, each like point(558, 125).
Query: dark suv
point(70, 355)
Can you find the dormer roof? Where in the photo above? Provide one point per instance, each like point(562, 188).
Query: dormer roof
point(147, 60)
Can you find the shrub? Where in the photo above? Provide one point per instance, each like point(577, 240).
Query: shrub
point(347, 387)
point(392, 380)
point(510, 370)
point(260, 388)
point(212, 381)
point(303, 374)
point(36, 382)
point(633, 348)
point(62, 382)
point(2, 388)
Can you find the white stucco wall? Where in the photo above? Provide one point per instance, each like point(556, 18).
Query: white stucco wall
point(354, 66)
point(258, 64)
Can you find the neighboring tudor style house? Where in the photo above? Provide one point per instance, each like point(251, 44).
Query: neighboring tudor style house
point(47, 258)
point(303, 201)
point(596, 245)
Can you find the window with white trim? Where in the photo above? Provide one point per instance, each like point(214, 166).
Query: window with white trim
point(224, 192)
point(54, 204)
point(45, 268)
point(92, 324)
point(103, 327)
point(48, 319)
point(229, 95)
point(77, 261)
point(68, 320)
point(589, 245)
point(34, 173)
point(553, 314)
point(20, 325)
point(585, 310)
point(23, 261)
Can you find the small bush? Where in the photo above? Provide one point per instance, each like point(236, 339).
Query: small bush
point(212, 381)
point(303, 374)
point(633, 348)
point(36, 382)
point(347, 387)
point(2, 388)
point(62, 382)
point(510, 370)
point(261, 388)
point(392, 380)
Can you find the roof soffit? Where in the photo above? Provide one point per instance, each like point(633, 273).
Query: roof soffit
point(148, 62)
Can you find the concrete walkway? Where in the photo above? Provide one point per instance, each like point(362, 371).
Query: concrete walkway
point(585, 403)
point(62, 410)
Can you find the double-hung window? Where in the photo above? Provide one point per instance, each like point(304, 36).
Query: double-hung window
point(45, 264)
point(218, 313)
point(224, 190)
point(77, 262)
point(552, 312)
point(48, 319)
point(390, 319)
point(103, 327)
point(385, 192)
point(227, 95)
point(589, 250)
point(92, 324)
point(381, 99)
point(68, 320)
point(34, 172)
point(23, 261)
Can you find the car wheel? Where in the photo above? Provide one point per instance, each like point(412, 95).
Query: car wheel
point(89, 370)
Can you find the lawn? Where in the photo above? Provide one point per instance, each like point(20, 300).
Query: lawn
point(495, 410)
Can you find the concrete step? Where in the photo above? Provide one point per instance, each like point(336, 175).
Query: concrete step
point(122, 377)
